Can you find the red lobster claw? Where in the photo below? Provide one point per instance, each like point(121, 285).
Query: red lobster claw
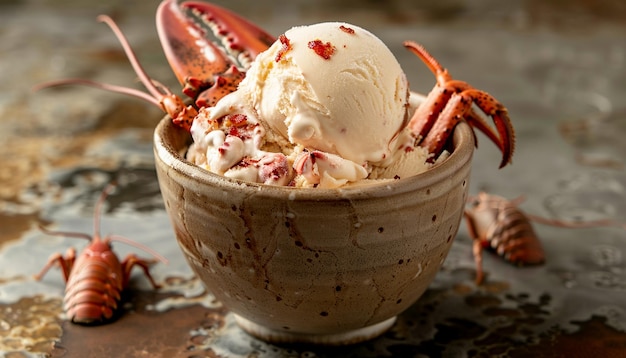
point(208, 47)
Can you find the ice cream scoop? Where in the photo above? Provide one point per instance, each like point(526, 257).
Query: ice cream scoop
point(330, 97)
point(332, 87)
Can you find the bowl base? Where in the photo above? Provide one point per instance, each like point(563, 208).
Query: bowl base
point(332, 339)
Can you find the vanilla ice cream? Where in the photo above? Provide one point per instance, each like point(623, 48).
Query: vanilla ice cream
point(325, 105)
point(336, 88)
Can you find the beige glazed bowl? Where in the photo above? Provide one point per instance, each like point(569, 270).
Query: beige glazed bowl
point(332, 266)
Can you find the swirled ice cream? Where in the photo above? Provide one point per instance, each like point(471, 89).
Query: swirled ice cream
point(326, 105)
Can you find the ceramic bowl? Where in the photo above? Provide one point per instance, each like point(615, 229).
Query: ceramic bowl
point(324, 266)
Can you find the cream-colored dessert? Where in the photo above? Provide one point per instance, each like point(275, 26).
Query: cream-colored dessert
point(326, 105)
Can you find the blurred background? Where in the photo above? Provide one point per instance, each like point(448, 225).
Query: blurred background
point(550, 60)
point(558, 65)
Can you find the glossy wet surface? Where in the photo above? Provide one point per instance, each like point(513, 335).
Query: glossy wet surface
point(559, 67)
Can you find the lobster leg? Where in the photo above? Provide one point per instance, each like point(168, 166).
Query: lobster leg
point(477, 251)
point(65, 262)
point(426, 114)
point(132, 260)
point(459, 107)
point(477, 248)
point(444, 98)
point(505, 139)
point(450, 116)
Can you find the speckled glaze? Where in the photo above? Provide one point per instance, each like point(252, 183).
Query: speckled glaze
point(328, 266)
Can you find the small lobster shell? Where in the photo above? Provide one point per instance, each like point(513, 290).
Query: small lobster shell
point(96, 278)
point(94, 286)
point(498, 224)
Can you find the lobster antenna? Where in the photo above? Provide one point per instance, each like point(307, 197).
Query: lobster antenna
point(132, 58)
point(155, 92)
point(96, 224)
point(96, 219)
point(78, 235)
point(577, 224)
point(137, 245)
point(96, 213)
point(103, 86)
point(426, 57)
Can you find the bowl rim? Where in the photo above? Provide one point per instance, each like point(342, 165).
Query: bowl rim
point(173, 158)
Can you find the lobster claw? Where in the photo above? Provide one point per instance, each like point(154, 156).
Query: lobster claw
point(208, 47)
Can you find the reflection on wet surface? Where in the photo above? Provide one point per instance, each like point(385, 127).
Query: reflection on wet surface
point(31, 322)
point(559, 66)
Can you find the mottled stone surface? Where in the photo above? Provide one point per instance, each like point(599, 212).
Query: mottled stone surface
point(559, 66)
